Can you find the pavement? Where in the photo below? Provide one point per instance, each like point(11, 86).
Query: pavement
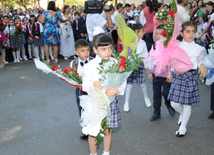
point(39, 116)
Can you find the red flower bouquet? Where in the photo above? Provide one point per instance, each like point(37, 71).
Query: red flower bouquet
point(68, 75)
point(17, 31)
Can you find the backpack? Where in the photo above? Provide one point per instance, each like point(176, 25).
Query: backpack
point(208, 35)
point(31, 27)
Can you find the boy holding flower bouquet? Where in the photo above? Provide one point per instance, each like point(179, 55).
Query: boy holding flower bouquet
point(82, 50)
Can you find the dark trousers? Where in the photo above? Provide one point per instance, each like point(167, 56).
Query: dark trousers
point(158, 83)
point(212, 98)
point(78, 94)
point(76, 35)
point(115, 36)
point(148, 37)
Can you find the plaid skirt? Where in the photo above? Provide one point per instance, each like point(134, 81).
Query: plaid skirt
point(14, 43)
point(184, 88)
point(137, 77)
point(22, 39)
point(29, 42)
point(114, 120)
point(41, 41)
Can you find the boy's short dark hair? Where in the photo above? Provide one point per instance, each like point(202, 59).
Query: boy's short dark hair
point(127, 5)
point(102, 39)
point(77, 13)
point(159, 27)
point(6, 16)
point(81, 43)
point(188, 23)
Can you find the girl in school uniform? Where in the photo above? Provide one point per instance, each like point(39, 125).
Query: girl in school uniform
point(29, 38)
point(22, 38)
point(38, 34)
point(184, 90)
point(137, 76)
point(15, 44)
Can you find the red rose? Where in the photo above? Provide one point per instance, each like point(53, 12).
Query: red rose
point(122, 67)
point(65, 71)
point(23, 23)
point(16, 27)
point(122, 60)
point(69, 68)
point(172, 13)
point(16, 23)
point(76, 74)
point(20, 24)
point(21, 28)
point(1, 22)
point(164, 33)
point(55, 68)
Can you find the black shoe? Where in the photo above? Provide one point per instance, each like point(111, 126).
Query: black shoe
point(171, 111)
point(211, 116)
point(154, 117)
point(178, 134)
point(83, 136)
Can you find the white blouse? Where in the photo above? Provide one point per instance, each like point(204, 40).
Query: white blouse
point(195, 52)
point(142, 49)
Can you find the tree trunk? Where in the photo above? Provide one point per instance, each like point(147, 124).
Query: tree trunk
point(22, 3)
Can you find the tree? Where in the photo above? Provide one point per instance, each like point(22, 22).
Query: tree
point(74, 2)
point(24, 3)
point(8, 3)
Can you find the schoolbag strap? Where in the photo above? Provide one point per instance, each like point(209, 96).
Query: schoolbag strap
point(75, 63)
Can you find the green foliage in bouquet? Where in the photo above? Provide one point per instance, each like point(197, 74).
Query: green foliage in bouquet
point(104, 126)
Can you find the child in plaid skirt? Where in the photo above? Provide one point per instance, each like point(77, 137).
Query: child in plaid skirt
point(137, 76)
point(103, 48)
point(38, 33)
point(21, 38)
point(27, 36)
point(184, 89)
point(15, 44)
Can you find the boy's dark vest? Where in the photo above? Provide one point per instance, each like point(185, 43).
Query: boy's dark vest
point(75, 62)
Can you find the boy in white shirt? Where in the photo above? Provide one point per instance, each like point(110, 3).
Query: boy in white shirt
point(82, 50)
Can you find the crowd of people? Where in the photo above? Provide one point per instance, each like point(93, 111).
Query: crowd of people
point(71, 33)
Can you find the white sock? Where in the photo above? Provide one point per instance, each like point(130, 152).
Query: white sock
point(33, 49)
point(14, 56)
point(106, 153)
point(185, 119)
point(144, 89)
point(128, 93)
point(18, 54)
point(29, 50)
point(3, 54)
point(23, 51)
point(93, 154)
point(36, 50)
point(179, 109)
point(42, 51)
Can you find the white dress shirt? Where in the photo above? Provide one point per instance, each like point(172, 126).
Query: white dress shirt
point(195, 52)
point(80, 68)
point(91, 74)
point(92, 21)
point(183, 15)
